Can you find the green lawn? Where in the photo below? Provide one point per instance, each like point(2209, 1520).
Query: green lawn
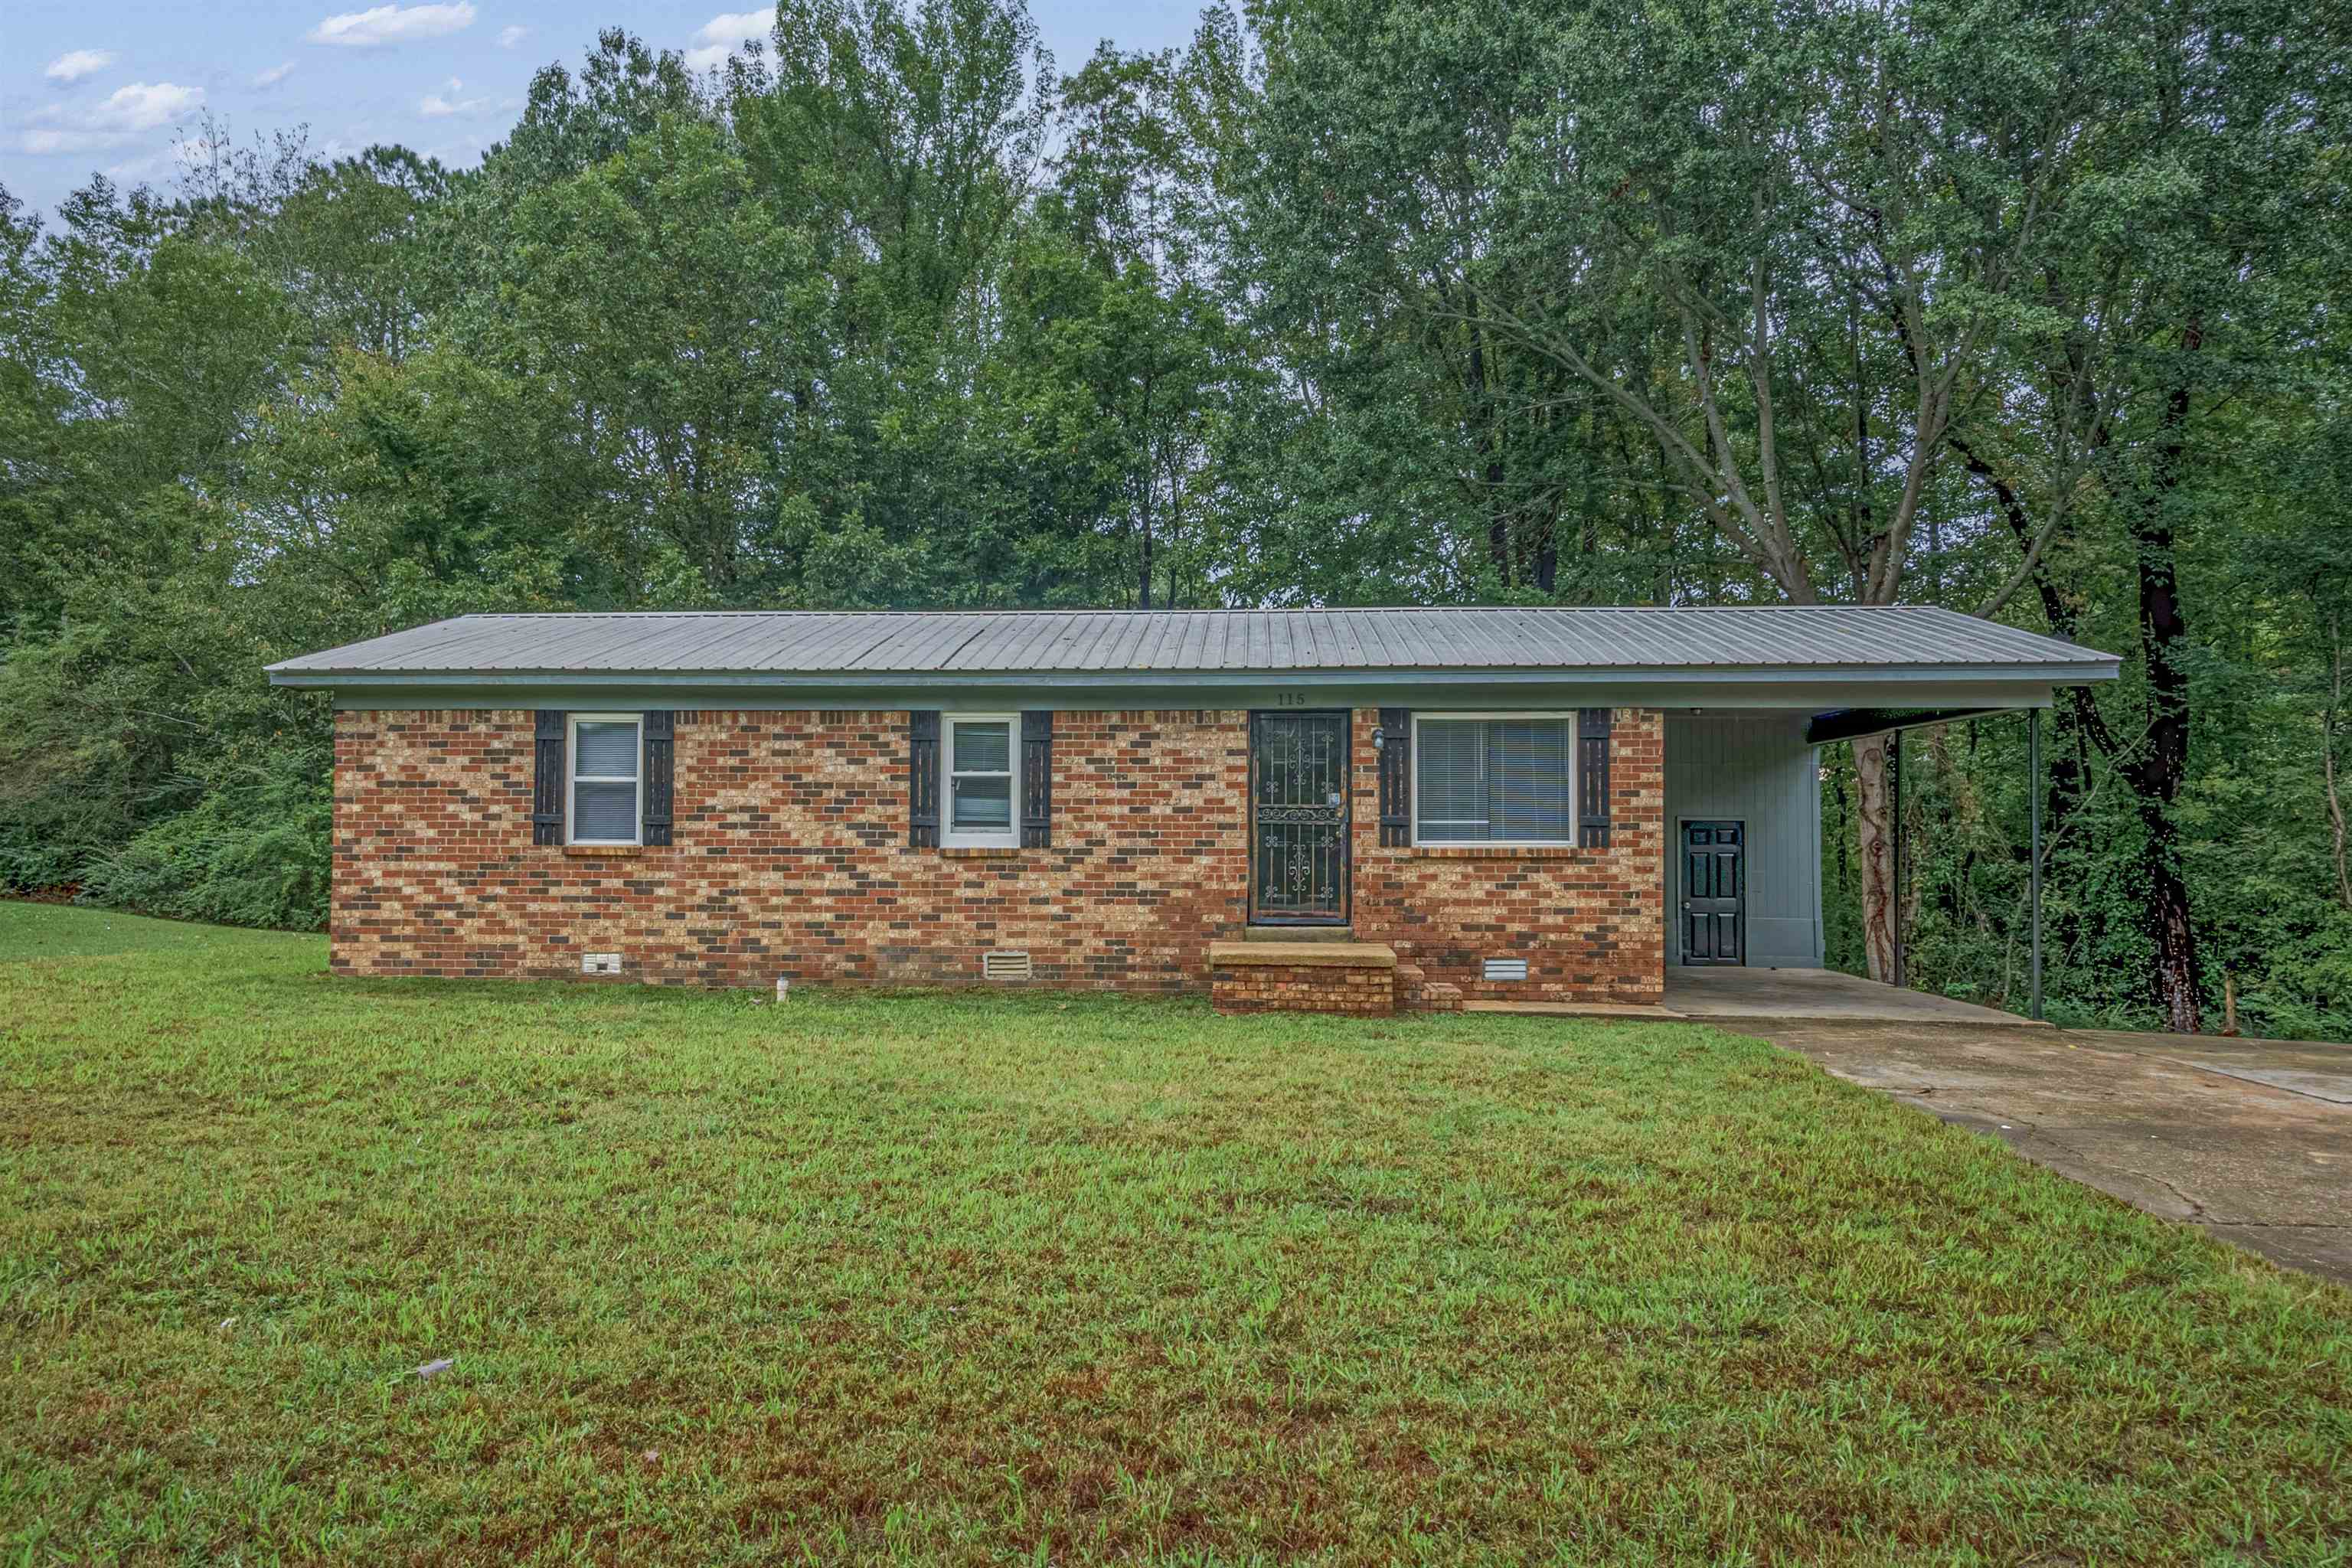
point(51, 931)
point(998, 1279)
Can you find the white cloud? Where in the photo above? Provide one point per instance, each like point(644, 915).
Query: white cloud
point(715, 39)
point(119, 118)
point(275, 74)
point(510, 36)
point(76, 64)
point(436, 106)
point(392, 25)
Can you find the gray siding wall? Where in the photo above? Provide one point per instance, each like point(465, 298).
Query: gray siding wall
point(1756, 770)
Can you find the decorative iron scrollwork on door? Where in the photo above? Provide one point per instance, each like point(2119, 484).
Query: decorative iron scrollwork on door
point(1298, 818)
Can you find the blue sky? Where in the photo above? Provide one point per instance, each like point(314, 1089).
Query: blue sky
point(112, 86)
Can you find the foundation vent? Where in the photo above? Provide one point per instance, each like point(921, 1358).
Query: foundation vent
point(1506, 969)
point(1004, 963)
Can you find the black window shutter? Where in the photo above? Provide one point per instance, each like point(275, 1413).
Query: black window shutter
point(547, 779)
point(1396, 777)
point(661, 747)
point(1592, 778)
point(1036, 778)
point(923, 778)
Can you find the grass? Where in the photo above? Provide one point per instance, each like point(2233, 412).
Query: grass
point(998, 1278)
point(57, 930)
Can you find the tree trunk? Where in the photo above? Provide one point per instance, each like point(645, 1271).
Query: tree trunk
point(1874, 831)
point(2169, 926)
point(2335, 828)
point(2076, 717)
point(2163, 767)
point(1498, 524)
point(1143, 565)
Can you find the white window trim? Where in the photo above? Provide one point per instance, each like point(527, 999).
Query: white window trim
point(572, 776)
point(1574, 739)
point(951, 837)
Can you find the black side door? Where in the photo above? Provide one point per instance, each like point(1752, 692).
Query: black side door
point(1715, 892)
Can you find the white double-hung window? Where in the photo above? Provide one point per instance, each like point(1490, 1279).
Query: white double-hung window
point(983, 772)
point(606, 760)
point(1502, 779)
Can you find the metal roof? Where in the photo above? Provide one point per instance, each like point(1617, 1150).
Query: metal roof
point(1097, 643)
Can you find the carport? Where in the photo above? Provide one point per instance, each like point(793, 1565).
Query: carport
point(1743, 889)
point(1860, 723)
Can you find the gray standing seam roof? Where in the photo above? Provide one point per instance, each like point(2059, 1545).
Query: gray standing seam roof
point(1176, 642)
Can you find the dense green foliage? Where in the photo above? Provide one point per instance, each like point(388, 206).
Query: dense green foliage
point(991, 1279)
point(2031, 308)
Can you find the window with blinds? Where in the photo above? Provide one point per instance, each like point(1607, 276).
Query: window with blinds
point(1494, 780)
point(984, 774)
point(604, 755)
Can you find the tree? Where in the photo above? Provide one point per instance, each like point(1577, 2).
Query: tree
point(1117, 363)
point(2173, 279)
point(656, 307)
point(1816, 259)
point(1355, 193)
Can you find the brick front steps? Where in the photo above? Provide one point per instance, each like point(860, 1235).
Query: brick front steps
point(1356, 978)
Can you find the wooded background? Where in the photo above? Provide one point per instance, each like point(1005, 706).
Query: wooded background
point(2031, 308)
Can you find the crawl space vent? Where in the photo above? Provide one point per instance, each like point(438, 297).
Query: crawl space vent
point(1506, 969)
point(1005, 963)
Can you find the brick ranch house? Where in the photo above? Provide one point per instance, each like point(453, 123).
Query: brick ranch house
point(1340, 809)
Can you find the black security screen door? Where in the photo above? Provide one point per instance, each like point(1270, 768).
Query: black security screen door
point(1715, 892)
point(1298, 818)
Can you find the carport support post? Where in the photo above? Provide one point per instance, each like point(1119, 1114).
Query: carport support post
point(2033, 815)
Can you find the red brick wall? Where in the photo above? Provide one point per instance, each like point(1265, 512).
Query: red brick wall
point(791, 858)
point(1367, 993)
point(1589, 923)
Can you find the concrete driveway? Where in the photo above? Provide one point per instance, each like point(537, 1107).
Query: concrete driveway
point(2251, 1138)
